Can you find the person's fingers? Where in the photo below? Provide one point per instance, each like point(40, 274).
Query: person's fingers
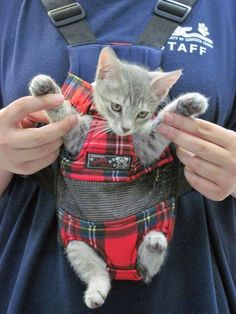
point(200, 147)
point(35, 137)
point(31, 167)
point(200, 128)
point(24, 106)
point(203, 168)
point(24, 155)
point(214, 182)
point(33, 119)
point(206, 187)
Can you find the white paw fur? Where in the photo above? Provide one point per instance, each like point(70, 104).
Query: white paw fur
point(151, 255)
point(155, 241)
point(96, 293)
point(92, 270)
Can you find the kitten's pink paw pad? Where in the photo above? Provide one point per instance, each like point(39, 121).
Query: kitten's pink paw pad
point(192, 104)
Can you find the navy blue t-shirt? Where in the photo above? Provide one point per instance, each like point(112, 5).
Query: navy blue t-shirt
point(199, 274)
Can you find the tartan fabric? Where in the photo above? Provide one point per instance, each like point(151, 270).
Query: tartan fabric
point(118, 241)
point(109, 158)
point(79, 92)
point(115, 157)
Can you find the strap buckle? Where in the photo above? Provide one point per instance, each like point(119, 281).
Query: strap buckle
point(67, 14)
point(172, 10)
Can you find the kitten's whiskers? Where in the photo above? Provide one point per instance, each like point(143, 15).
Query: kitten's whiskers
point(103, 128)
point(103, 131)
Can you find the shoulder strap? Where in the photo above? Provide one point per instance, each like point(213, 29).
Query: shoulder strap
point(167, 16)
point(69, 18)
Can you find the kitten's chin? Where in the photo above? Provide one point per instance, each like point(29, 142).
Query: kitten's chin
point(124, 134)
point(121, 132)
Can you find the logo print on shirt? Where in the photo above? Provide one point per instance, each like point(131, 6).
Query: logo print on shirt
point(184, 39)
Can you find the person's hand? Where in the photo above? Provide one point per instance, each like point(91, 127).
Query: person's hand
point(25, 149)
point(32, 119)
point(208, 152)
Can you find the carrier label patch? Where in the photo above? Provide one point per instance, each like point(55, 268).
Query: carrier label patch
point(113, 162)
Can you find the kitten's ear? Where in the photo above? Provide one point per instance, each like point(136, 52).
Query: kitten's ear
point(163, 81)
point(108, 65)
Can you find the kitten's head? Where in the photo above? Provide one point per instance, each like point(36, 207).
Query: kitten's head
point(127, 95)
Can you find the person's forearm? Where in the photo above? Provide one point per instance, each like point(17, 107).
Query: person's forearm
point(5, 179)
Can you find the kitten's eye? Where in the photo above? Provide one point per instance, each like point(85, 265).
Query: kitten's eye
point(142, 114)
point(116, 107)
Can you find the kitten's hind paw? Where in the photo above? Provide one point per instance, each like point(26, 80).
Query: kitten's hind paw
point(191, 104)
point(94, 299)
point(42, 85)
point(96, 293)
point(155, 241)
point(143, 272)
point(151, 255)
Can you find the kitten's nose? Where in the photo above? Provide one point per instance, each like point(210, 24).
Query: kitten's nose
point(125, 130)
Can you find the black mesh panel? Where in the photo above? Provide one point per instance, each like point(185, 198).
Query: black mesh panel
point(105, 201)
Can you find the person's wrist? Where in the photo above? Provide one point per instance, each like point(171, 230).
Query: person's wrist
point(234, 191)
point(5, 179)
point(4, 171)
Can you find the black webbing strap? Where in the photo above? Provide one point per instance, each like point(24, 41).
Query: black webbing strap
point(46, 178)
point(167, 16)
point(69, 18)
point(181, 184)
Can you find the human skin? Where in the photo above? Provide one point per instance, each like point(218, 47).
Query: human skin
point(25, 149)
point(208, 152)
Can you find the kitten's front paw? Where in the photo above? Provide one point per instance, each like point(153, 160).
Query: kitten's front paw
point(42, 85)
point(191, 104)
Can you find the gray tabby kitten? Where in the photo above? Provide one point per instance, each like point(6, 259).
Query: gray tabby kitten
point(127, 96)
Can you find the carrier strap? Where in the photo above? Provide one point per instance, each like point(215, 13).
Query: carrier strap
point(69, 18)
point(167, 16)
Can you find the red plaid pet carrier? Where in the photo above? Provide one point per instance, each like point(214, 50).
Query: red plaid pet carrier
point(107, 164)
